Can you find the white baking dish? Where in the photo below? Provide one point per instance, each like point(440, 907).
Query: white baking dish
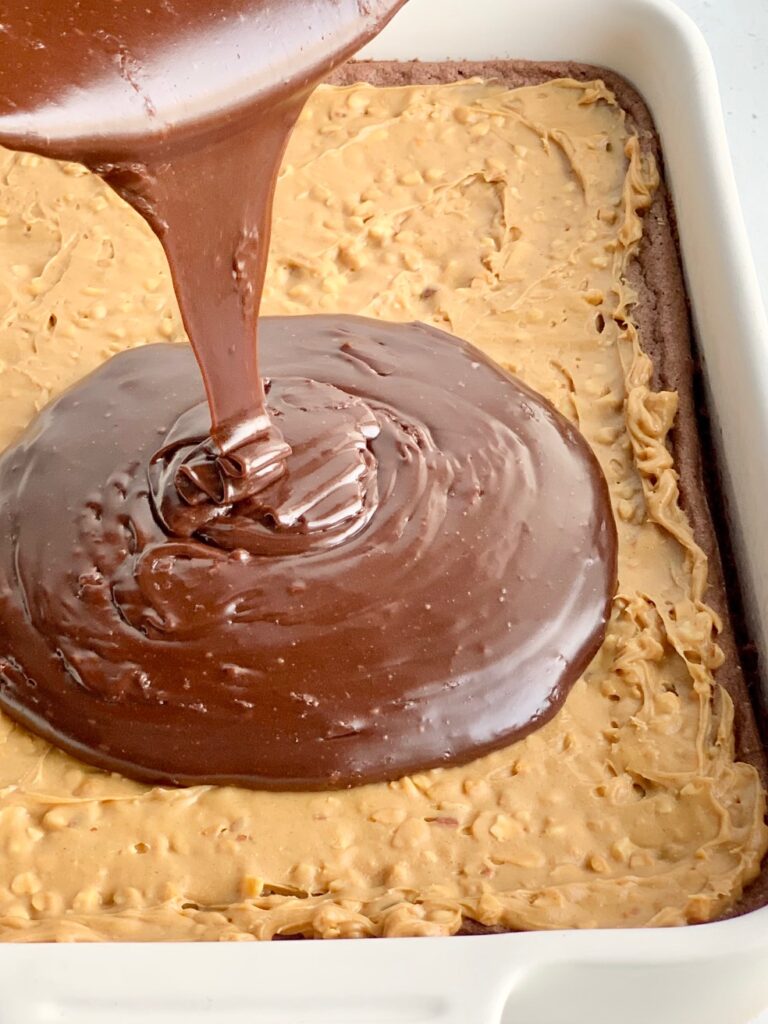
point(711, 974)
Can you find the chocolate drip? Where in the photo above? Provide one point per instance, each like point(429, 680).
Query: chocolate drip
point(424, 583)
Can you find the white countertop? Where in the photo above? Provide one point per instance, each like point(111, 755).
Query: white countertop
point(737, 33)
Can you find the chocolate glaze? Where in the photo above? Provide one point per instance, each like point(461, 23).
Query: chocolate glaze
point(295, 641)
point(404, 558)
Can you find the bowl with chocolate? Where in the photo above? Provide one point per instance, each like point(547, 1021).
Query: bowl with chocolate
point(368, 567)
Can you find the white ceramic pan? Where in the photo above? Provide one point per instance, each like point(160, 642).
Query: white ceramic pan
point(709, 974)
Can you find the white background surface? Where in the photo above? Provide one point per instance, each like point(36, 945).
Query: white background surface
point(737, 33)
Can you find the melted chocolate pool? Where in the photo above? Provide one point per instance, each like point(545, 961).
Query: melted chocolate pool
point(422, 585)
point(392, 556)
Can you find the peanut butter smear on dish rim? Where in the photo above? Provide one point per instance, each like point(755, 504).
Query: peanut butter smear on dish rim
point(507, 217)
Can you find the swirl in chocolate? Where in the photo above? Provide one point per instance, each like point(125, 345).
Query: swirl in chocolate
point(422, 585)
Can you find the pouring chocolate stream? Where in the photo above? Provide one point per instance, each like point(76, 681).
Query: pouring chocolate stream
point(328, 584)
point(186, 109)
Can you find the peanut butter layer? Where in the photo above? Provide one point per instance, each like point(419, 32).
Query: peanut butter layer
point(509, 217)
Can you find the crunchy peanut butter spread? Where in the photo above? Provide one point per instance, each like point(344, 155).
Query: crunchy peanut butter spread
point(506, 217)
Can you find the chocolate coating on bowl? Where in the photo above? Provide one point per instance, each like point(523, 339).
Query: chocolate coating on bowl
point(446, 614)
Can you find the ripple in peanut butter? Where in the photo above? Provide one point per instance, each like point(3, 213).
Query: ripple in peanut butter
point(506, 217)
